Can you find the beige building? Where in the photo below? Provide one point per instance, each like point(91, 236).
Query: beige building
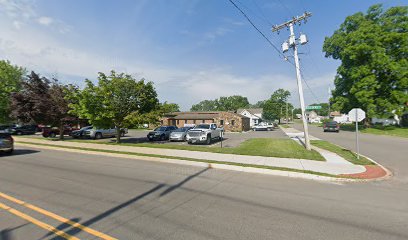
point(231, 122)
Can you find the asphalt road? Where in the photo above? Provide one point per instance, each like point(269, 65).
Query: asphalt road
point(392, 152)
point(131, 199)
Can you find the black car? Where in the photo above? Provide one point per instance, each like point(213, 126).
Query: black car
point(24, 129)
point(161, 133)
point(331, 127)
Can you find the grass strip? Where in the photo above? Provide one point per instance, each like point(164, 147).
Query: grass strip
point(342, 152)
point(265, 147)
point(190, 159)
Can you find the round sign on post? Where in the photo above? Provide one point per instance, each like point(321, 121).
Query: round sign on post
point(356, 114)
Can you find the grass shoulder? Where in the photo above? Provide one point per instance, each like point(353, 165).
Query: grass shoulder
point(282, 148)
point(342, 152)
point(378, 130)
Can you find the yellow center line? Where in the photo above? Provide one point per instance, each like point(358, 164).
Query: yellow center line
point(58, 218)
point(37, 222)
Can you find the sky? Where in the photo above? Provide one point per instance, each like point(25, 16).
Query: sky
point(192, 50)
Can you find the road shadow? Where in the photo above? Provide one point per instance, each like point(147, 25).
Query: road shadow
point(61, 227)
point(73, 231)
point(7, 234)
point(19, 152)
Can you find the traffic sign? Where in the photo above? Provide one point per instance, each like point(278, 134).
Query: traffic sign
point(356, 114)
point(313, 107)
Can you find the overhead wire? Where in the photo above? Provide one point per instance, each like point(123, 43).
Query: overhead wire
point(259, 31)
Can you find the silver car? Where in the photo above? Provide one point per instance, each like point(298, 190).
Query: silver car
point(179, 134)
point(6, 142)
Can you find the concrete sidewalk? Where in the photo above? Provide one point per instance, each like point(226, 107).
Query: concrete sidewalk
point(332, 166)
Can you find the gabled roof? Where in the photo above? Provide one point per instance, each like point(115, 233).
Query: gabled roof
point(252, 111)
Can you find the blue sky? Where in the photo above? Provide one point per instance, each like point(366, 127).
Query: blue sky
point(192, 50)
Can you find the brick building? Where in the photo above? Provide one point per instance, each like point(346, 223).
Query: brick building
point(231, 122)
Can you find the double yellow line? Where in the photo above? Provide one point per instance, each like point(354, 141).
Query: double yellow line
point(51, 215)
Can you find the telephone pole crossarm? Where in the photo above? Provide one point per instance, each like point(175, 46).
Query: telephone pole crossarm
point(293, 21)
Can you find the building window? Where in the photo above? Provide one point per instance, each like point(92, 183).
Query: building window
point(232, 122)
point(178, 122)
point(203, 121)
point(222, 122)
point(186, 121)
point(194, 121)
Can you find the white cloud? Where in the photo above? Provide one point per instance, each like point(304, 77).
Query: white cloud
point(46, 21)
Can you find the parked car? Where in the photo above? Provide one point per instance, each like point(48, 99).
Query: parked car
point(54, 131)
point(24, 129)
point(6, 142)
point(204, 133)
point(80, 133)
point(263, 127)
point(179, 134)
point(96, 133)
point(161, 133)
point(332, 126)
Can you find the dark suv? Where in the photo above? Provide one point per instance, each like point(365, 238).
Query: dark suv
point(25, 129)
point(161, 133)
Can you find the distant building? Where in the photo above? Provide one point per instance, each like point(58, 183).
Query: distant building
point(231, 122)
point(254, 114)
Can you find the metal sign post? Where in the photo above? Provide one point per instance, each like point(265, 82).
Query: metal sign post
point(358, 146)
point(357, 115)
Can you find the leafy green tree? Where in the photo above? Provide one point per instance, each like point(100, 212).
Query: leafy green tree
point(169, 107)
point(114, 101)
point(275, 107)
point(324, 111)
point(41, 101)
point(11, 77)
point(258, 104)
point(231, 103)
point(373, 49)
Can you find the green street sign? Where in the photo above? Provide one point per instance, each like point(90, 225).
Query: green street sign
point(313, 107)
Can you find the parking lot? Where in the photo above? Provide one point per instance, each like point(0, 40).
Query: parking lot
point(231, 139)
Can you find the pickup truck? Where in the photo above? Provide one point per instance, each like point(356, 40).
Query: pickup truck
point(204, 133)
point(96, 133)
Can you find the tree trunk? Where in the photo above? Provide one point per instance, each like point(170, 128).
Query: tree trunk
point(118, 134)
point(61, 131)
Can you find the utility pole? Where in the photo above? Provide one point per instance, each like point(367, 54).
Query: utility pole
point(291, 43)
point(329, 101)
point(287, 120)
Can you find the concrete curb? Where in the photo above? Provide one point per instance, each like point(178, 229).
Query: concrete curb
point(283, 173)
point(388, 172)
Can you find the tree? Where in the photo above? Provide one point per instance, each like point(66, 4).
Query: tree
point(258, 104)
point(114, 101)
point(169, 107)
point(373, 49)
point(324, 111)
point(41, 101)
point(275, 107)
point(11, 77)
point(231, 103)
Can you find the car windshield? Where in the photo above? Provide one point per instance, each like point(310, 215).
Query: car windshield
point(332, 123)
point(86, 128)
point(160, 129)
point(205, 126)
point(183, 129)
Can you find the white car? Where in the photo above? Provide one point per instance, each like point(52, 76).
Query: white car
point(204, 133)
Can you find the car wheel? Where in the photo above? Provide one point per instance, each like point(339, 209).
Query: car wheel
point(162, 137)
point(9, 152)
point(52, 135)
point(208, 142)
point(98, 135)
point(337, 131)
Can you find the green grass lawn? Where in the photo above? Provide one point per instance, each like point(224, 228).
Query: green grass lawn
point(378, 130)
point(345, 153)
point(283, 148)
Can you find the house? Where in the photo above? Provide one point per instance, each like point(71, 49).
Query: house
point(231, 122)
point(254, 114)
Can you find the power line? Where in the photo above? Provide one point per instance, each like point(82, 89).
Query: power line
point(259, 31)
